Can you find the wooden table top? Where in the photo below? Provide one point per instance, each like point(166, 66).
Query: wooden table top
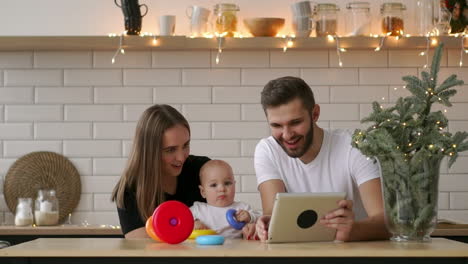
point(441, 230)
point(60, 230)
point(117, 247)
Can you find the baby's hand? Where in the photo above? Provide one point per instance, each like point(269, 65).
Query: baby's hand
point(199, 225)
point(243, 216)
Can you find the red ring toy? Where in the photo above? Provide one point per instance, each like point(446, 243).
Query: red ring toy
point(172, 222)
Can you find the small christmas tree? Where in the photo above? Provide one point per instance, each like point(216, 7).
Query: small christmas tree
point(409, 141)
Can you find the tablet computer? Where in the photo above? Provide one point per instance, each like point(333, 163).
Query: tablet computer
point(296, 217)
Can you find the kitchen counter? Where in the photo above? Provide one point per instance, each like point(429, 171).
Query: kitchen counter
point(116, 250)
point(451, 230)
point(60, 230)
point(16, 235)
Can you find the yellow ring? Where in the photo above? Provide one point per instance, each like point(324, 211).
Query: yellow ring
point(201, 232)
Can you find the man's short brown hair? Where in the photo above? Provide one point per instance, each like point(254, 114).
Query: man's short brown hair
point(285, 89)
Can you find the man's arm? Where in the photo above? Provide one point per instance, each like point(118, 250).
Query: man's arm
point(373, 227)
point(268, 190)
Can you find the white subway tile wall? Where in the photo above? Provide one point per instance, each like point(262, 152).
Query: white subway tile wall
point(79, 104)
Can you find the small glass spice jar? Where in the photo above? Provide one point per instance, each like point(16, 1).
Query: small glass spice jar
point(23, 212)
point(392, 18)
point(358, 19)
point(46, 211)
point(225, 16)
point(326, 16)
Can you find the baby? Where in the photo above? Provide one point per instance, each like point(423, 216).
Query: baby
point(218, 187)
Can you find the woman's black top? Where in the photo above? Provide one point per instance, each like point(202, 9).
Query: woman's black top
point(187, 192)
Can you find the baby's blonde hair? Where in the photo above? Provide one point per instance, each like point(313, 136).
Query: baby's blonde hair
point(211, 164)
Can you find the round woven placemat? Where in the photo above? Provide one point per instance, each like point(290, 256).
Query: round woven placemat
point(43, 170)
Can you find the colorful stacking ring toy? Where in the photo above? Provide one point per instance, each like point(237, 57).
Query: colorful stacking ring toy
point(210, 240)
point(150, 230)
point(231, 218)
point(201, 232)
point(172, 222)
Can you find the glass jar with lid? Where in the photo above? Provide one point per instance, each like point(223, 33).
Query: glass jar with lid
point(46, 210)
point(23, 212)
point(358, 19)
point(326, 16)
point(225, 16)
point(393, 18)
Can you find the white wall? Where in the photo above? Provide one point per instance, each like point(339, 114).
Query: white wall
point(80, 105)
point(100, 17)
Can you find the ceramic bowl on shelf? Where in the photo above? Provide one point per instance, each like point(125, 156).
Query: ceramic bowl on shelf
point(264, 26)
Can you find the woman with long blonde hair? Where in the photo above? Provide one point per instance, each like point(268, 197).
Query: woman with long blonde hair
point(159, 168)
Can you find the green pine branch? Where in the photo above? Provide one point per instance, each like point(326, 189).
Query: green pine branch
point(410, 124)
point(409, 140)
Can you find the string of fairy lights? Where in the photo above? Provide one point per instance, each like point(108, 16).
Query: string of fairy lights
point(289, 42)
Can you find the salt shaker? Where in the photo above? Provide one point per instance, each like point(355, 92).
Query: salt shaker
point(46, 209)
point(23, 212)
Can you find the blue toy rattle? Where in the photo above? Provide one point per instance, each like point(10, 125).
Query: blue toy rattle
point(231, 218)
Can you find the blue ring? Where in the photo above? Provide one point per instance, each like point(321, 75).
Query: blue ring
point(210, 240)
point(230, 217)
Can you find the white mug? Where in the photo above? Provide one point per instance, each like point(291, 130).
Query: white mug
point(167, 25)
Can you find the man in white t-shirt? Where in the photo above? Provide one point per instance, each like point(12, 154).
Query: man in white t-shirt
point(302, 157)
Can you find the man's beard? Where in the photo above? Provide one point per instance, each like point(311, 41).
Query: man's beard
point(309, 136)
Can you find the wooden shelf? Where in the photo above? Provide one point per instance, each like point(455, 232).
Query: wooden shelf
point(18, 43)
